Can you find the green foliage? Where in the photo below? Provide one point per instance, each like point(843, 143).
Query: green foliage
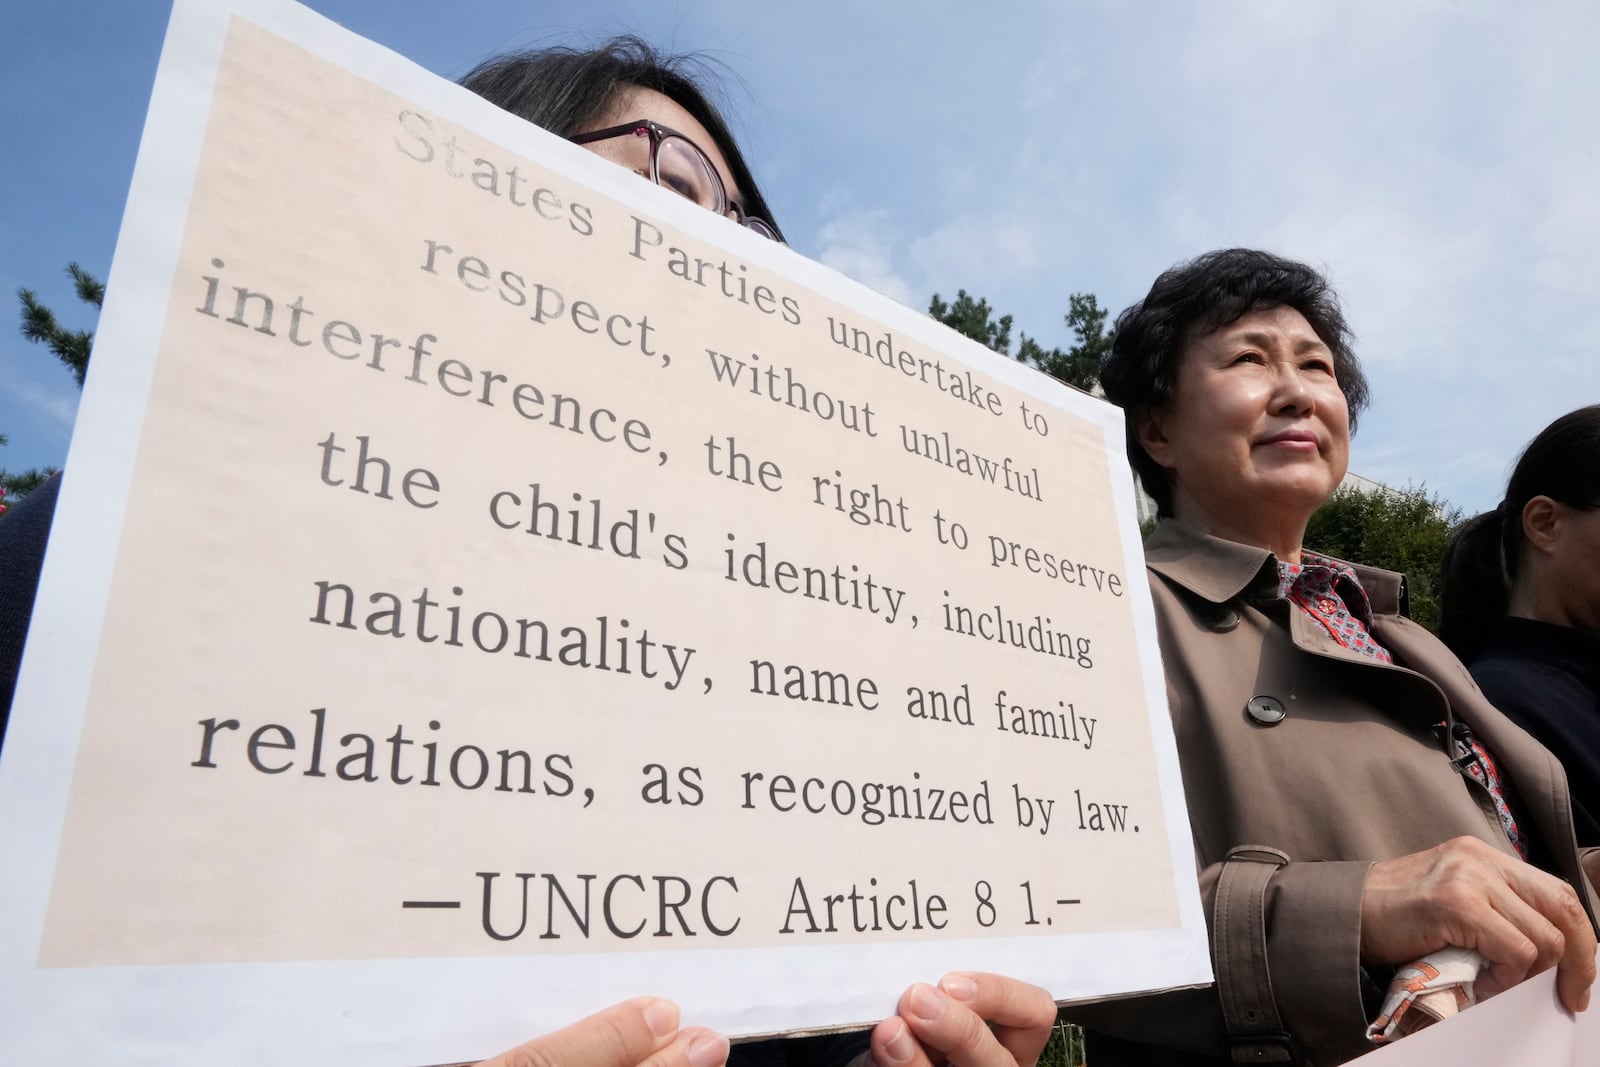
point(974, 319)
point(39, 323)
point(1401, 530)
point(1065, 1047)
point(1078, 366)
point(13, 487)
point(71, 347)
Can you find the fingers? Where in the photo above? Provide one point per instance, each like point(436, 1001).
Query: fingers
point(1517, 939)
point(950, 1024)
point(637, 1033)
point(1023, 1015)
point(694, 1047)
point(1547, 913)
point(622, 1035)
point(1522, 920)
point(951, 1031)
point(1575, 973)
point(893, 1045)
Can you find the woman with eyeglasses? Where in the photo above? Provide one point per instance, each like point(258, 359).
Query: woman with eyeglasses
point(645, 111)
point(638, 108)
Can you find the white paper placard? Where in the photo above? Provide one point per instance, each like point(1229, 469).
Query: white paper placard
point(486, 586)
point(1525, 1024)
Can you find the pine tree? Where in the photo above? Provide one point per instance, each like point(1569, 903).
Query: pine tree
point(1401, 530)
point(1078, 366)
point(39, 323)
point(71, 347)
point(974, 319)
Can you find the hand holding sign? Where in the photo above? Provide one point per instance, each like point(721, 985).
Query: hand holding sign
point(637, 1033)
point(967, 1020)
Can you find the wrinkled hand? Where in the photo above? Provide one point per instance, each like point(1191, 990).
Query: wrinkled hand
point(950, 1024)
point(1467, 894)
point(636, 1033)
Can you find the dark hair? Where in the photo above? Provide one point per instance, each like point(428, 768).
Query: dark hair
point(1197, 297)
point(565, 89)
point(1480, 562)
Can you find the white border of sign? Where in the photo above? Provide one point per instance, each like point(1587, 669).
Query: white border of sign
point(423, 1010)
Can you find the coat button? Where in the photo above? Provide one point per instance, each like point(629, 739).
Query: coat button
point(1268, 711)
point(1224, 620)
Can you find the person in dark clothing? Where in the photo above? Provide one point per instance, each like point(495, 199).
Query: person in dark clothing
point(1521, 602)
point(24, 531)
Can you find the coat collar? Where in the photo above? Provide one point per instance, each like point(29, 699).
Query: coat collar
point(1220, 570)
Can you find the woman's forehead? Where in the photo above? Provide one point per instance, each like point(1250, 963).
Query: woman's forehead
point(636, 102)
point(1260, 326)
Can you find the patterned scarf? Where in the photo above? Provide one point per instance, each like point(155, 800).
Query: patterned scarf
point(1331, 594)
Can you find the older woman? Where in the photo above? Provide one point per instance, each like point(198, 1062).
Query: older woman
point(1521, 602)
point(1356, 802)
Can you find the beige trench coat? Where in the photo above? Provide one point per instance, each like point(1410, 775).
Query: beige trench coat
point(1355, 771)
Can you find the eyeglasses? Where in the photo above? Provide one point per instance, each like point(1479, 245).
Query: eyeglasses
point(678, 164)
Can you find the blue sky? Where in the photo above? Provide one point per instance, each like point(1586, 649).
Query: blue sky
point(1438, 159)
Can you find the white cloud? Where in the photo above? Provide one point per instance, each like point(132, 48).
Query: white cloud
point(58, 406)
point(1438, 159)
point(984, 252)
point(1439, 162)
point(858, 245)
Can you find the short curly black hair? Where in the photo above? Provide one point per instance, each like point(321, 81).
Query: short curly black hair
point(1197, 297)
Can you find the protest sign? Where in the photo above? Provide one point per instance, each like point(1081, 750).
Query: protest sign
point(487, 586)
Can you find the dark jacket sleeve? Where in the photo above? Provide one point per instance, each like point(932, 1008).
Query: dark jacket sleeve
point(24, 531)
